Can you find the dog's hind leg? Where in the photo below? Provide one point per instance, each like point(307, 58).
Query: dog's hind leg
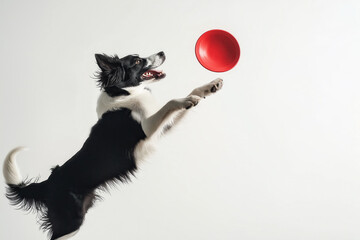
point(65, 225)
point(67, 236)
point(65, 215)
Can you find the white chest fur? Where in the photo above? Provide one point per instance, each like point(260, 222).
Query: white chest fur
point(140, 101)
point(142, 105)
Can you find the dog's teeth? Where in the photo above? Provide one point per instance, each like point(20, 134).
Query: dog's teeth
point(149, 74)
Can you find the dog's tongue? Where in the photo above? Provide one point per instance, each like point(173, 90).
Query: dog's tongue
point(157, 74)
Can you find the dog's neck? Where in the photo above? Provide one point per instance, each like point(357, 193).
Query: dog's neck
point(116, 92)
point(135, 90)
point(139, 99)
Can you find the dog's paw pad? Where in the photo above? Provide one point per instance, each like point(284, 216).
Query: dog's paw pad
point(216, 85)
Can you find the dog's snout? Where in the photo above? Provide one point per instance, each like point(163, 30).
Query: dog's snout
point(155, 60)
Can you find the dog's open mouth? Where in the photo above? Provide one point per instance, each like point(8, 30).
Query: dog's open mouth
point(152, 74)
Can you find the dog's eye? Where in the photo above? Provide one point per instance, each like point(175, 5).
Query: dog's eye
point(138, 61)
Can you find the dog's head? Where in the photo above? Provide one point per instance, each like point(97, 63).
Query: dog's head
point(117, 74)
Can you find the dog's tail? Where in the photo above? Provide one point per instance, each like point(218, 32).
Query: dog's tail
point(22, 193)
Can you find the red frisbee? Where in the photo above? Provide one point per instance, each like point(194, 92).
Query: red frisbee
point(217, 50)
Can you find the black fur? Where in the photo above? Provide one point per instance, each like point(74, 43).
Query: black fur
point(107, 156)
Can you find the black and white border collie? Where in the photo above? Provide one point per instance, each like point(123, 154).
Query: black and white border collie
point(128, 123)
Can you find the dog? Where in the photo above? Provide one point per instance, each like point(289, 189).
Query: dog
point(124, 134)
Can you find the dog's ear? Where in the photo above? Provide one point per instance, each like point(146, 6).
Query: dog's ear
point(112, 71)
point(104, 62)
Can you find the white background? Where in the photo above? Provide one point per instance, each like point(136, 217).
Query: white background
point(274, 155)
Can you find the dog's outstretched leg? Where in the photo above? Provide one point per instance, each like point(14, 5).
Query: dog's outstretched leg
point(157, 121)
point(203, 91)
point(175, 109)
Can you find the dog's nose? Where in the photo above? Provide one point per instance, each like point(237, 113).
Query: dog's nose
point(161, 54)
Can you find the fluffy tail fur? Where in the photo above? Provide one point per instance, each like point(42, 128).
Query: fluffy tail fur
point(25, 195)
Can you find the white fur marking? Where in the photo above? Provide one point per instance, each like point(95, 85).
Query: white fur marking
point(143, 149)
point(136, 116)
point(10, 168)
point(154, 61)
point(148, 62)
point(67, 236)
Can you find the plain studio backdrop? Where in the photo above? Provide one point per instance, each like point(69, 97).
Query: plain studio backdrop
point(274, 155)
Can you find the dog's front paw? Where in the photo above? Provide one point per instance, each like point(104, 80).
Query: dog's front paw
point(188, 102)
point(208, 89)
point(216, 85)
